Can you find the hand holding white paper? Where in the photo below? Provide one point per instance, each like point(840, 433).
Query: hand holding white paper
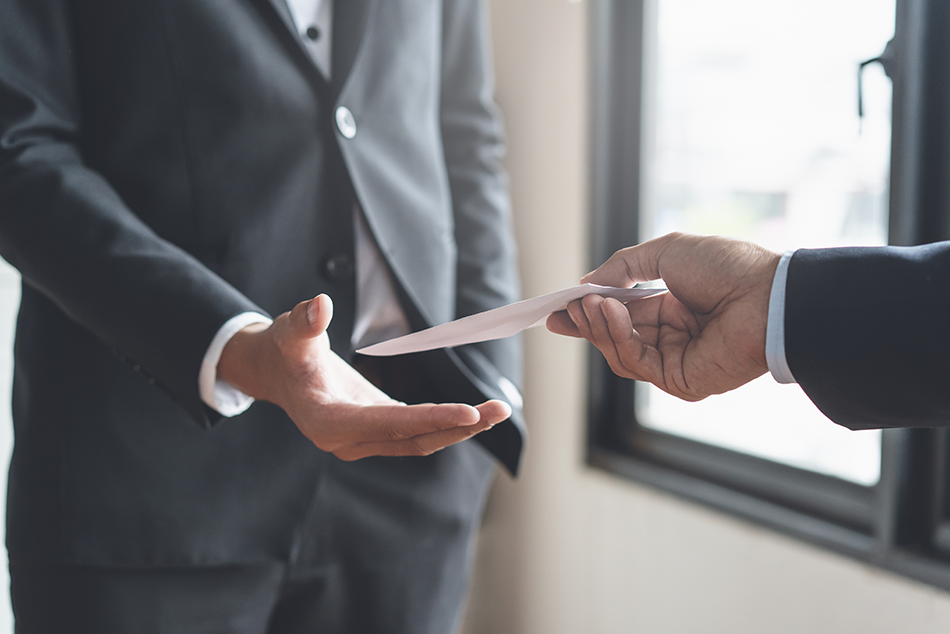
point(499, 322)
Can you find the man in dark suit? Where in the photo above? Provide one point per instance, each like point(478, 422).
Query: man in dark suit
point(172, 173)
point(862, 330)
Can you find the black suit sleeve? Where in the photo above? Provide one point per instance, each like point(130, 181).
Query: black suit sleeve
point(867, 333)
point(71, 235)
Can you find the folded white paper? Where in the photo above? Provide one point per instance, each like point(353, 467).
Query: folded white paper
point(499, 322)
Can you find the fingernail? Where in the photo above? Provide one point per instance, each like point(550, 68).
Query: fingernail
point(312, 311)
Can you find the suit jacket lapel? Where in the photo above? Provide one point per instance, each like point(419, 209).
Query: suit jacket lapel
point(284, 12)
point(278, 12)
point(349, 24)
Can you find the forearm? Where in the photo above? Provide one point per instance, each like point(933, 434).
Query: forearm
point(72, 235)
point(73, 240)
point(866, 335)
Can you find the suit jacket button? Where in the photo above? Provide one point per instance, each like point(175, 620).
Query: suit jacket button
point(338, 268)
point(345, 122)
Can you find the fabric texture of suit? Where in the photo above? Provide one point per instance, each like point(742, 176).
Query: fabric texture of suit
point(866, 333)
point(168, 164)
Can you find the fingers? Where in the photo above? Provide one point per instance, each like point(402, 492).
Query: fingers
point(344, 425)
point(607, 325)
point(578, 315)
point(398, 439)
point(494, 411)
point(628, 352)
point(423, 445)
point(597, 331)
point(400, 422)
point(647, 311)
point(560, 323)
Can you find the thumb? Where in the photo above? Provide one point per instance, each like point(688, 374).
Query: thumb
point(311, 318)
point(640, 263)
point(616, 271)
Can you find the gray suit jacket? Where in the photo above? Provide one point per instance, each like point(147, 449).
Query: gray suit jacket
point(168, 164)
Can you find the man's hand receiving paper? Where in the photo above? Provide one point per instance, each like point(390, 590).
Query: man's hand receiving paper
point(706, 336)
point(290, 363)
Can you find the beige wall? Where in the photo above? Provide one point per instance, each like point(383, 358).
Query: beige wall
point(566, 549)
point(9, 301)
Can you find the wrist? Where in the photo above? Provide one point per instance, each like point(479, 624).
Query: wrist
point(245, 362)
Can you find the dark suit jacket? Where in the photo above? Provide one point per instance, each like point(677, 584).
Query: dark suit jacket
point(867, 333)
point(168, 164)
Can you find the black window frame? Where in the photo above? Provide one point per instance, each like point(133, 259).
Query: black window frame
point(902, 523)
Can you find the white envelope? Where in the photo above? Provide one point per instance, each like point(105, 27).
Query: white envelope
point(499, 322)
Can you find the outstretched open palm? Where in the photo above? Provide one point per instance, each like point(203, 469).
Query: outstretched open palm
point(290, 363)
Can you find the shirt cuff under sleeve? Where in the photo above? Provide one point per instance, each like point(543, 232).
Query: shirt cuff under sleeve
point(775, 331)
point(220, 395)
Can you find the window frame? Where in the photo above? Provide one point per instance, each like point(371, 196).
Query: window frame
point(900, 524)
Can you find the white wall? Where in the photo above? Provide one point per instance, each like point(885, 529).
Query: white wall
point(566, 549)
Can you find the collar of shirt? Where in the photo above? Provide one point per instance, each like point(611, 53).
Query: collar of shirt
point(314, 22)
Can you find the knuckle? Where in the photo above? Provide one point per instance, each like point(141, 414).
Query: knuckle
point(395, 433)
point(618, 368)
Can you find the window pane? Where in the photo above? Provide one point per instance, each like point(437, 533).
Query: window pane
point(756, 134)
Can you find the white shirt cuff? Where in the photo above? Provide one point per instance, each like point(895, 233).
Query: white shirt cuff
point(775, 331)
point(220, 395)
